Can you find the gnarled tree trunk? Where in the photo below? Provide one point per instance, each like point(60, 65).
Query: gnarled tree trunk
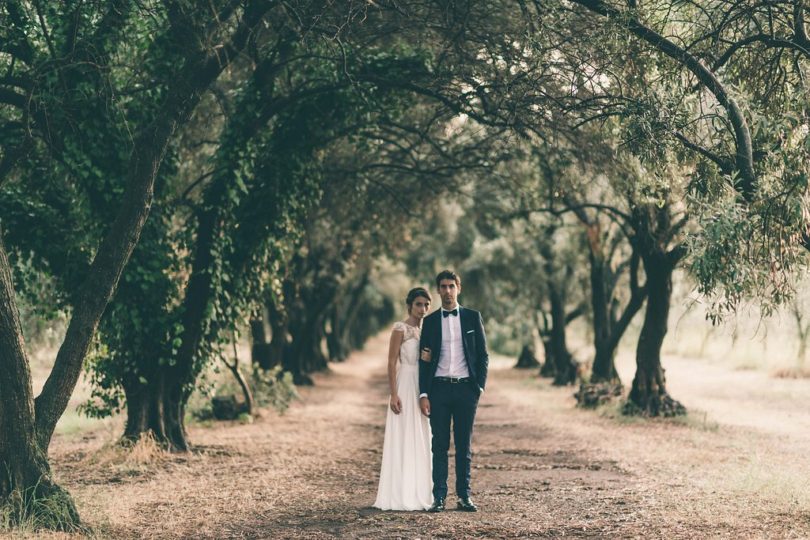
point(557, 354)
point(604, 369)
point(156, 408)
point(565, 369)
point(648, 394)
point(608, 327)
point(26, 481)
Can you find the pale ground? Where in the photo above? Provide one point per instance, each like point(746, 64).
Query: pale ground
point(738, 467)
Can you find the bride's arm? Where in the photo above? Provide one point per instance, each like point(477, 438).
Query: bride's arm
point(393, 355)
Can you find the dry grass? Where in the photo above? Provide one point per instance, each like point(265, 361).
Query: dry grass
point(140, 456)
point(792, 373)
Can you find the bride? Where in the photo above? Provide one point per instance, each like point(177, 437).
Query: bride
point(405, 476)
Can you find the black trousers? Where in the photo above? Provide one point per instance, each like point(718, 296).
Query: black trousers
point(456, 403)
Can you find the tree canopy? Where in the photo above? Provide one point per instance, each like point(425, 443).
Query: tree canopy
point(173, 175)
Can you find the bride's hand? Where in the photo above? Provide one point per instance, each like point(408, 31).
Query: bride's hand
point(396, 404)
point(426, 355)
point(424, 405)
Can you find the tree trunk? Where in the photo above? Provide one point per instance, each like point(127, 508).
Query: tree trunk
point(279, 334)
point(26, 483)
point(156, 409)
point(27, 490)
point(199, 293)
point(565, 369)
point(203, 67)
point(609, 329)
point(548, 368)
point(543, 332)
point(604, 384)
point(648, 395)
point(527, 359)
point(347, 322)
point(240, 378)
point(308, 307)
point(292, 362)
point(331, 329)
point(247, 395)
point(604, 368)
point(259, 347)
point(306, 345)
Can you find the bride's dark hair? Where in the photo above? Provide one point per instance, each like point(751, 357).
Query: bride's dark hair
point(415, 293)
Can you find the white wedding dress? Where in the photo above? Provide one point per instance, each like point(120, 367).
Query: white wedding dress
point(405, 477)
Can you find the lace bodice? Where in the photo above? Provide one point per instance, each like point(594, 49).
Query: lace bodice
point(411, 332)
point(409, 350)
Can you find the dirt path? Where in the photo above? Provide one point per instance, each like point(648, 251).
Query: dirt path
point(541, 469)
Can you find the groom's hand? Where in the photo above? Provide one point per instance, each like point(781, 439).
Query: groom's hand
point(424, 404)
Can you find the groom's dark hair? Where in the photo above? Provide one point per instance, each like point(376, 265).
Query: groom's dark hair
point(448, 274)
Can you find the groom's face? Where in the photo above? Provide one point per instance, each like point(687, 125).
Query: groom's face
point(449, 291)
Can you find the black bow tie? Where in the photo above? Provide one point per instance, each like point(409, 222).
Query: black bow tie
point(453, 312)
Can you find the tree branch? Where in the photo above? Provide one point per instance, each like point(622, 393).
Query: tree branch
point(770, 41)
point(723, 164)
point(744, 162)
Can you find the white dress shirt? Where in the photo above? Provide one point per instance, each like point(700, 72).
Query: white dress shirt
point(451, 360)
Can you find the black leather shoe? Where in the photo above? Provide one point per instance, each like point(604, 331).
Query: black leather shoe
point(465, 504)
point(438, 505)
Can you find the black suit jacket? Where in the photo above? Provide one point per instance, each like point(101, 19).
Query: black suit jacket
point(475, 347)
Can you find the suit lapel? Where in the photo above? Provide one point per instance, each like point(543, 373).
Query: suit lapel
point(437, 343)
point(462, 313)
point(463, 323)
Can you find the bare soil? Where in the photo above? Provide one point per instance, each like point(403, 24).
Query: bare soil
point(737, 467)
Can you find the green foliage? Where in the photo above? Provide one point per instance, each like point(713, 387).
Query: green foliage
point(736, 257)
point(94, 91)
point(273, 388)
point(141, 325)
point(269, 172)
point(37, 210)
point(42, 308)
point(270, 388)
point(743, 251)
point(649, 121)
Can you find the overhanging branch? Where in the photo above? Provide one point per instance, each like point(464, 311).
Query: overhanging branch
point(744, 162)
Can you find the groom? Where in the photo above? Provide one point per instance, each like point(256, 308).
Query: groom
point(452, 375)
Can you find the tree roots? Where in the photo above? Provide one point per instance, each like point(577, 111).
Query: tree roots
point(592, 395)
